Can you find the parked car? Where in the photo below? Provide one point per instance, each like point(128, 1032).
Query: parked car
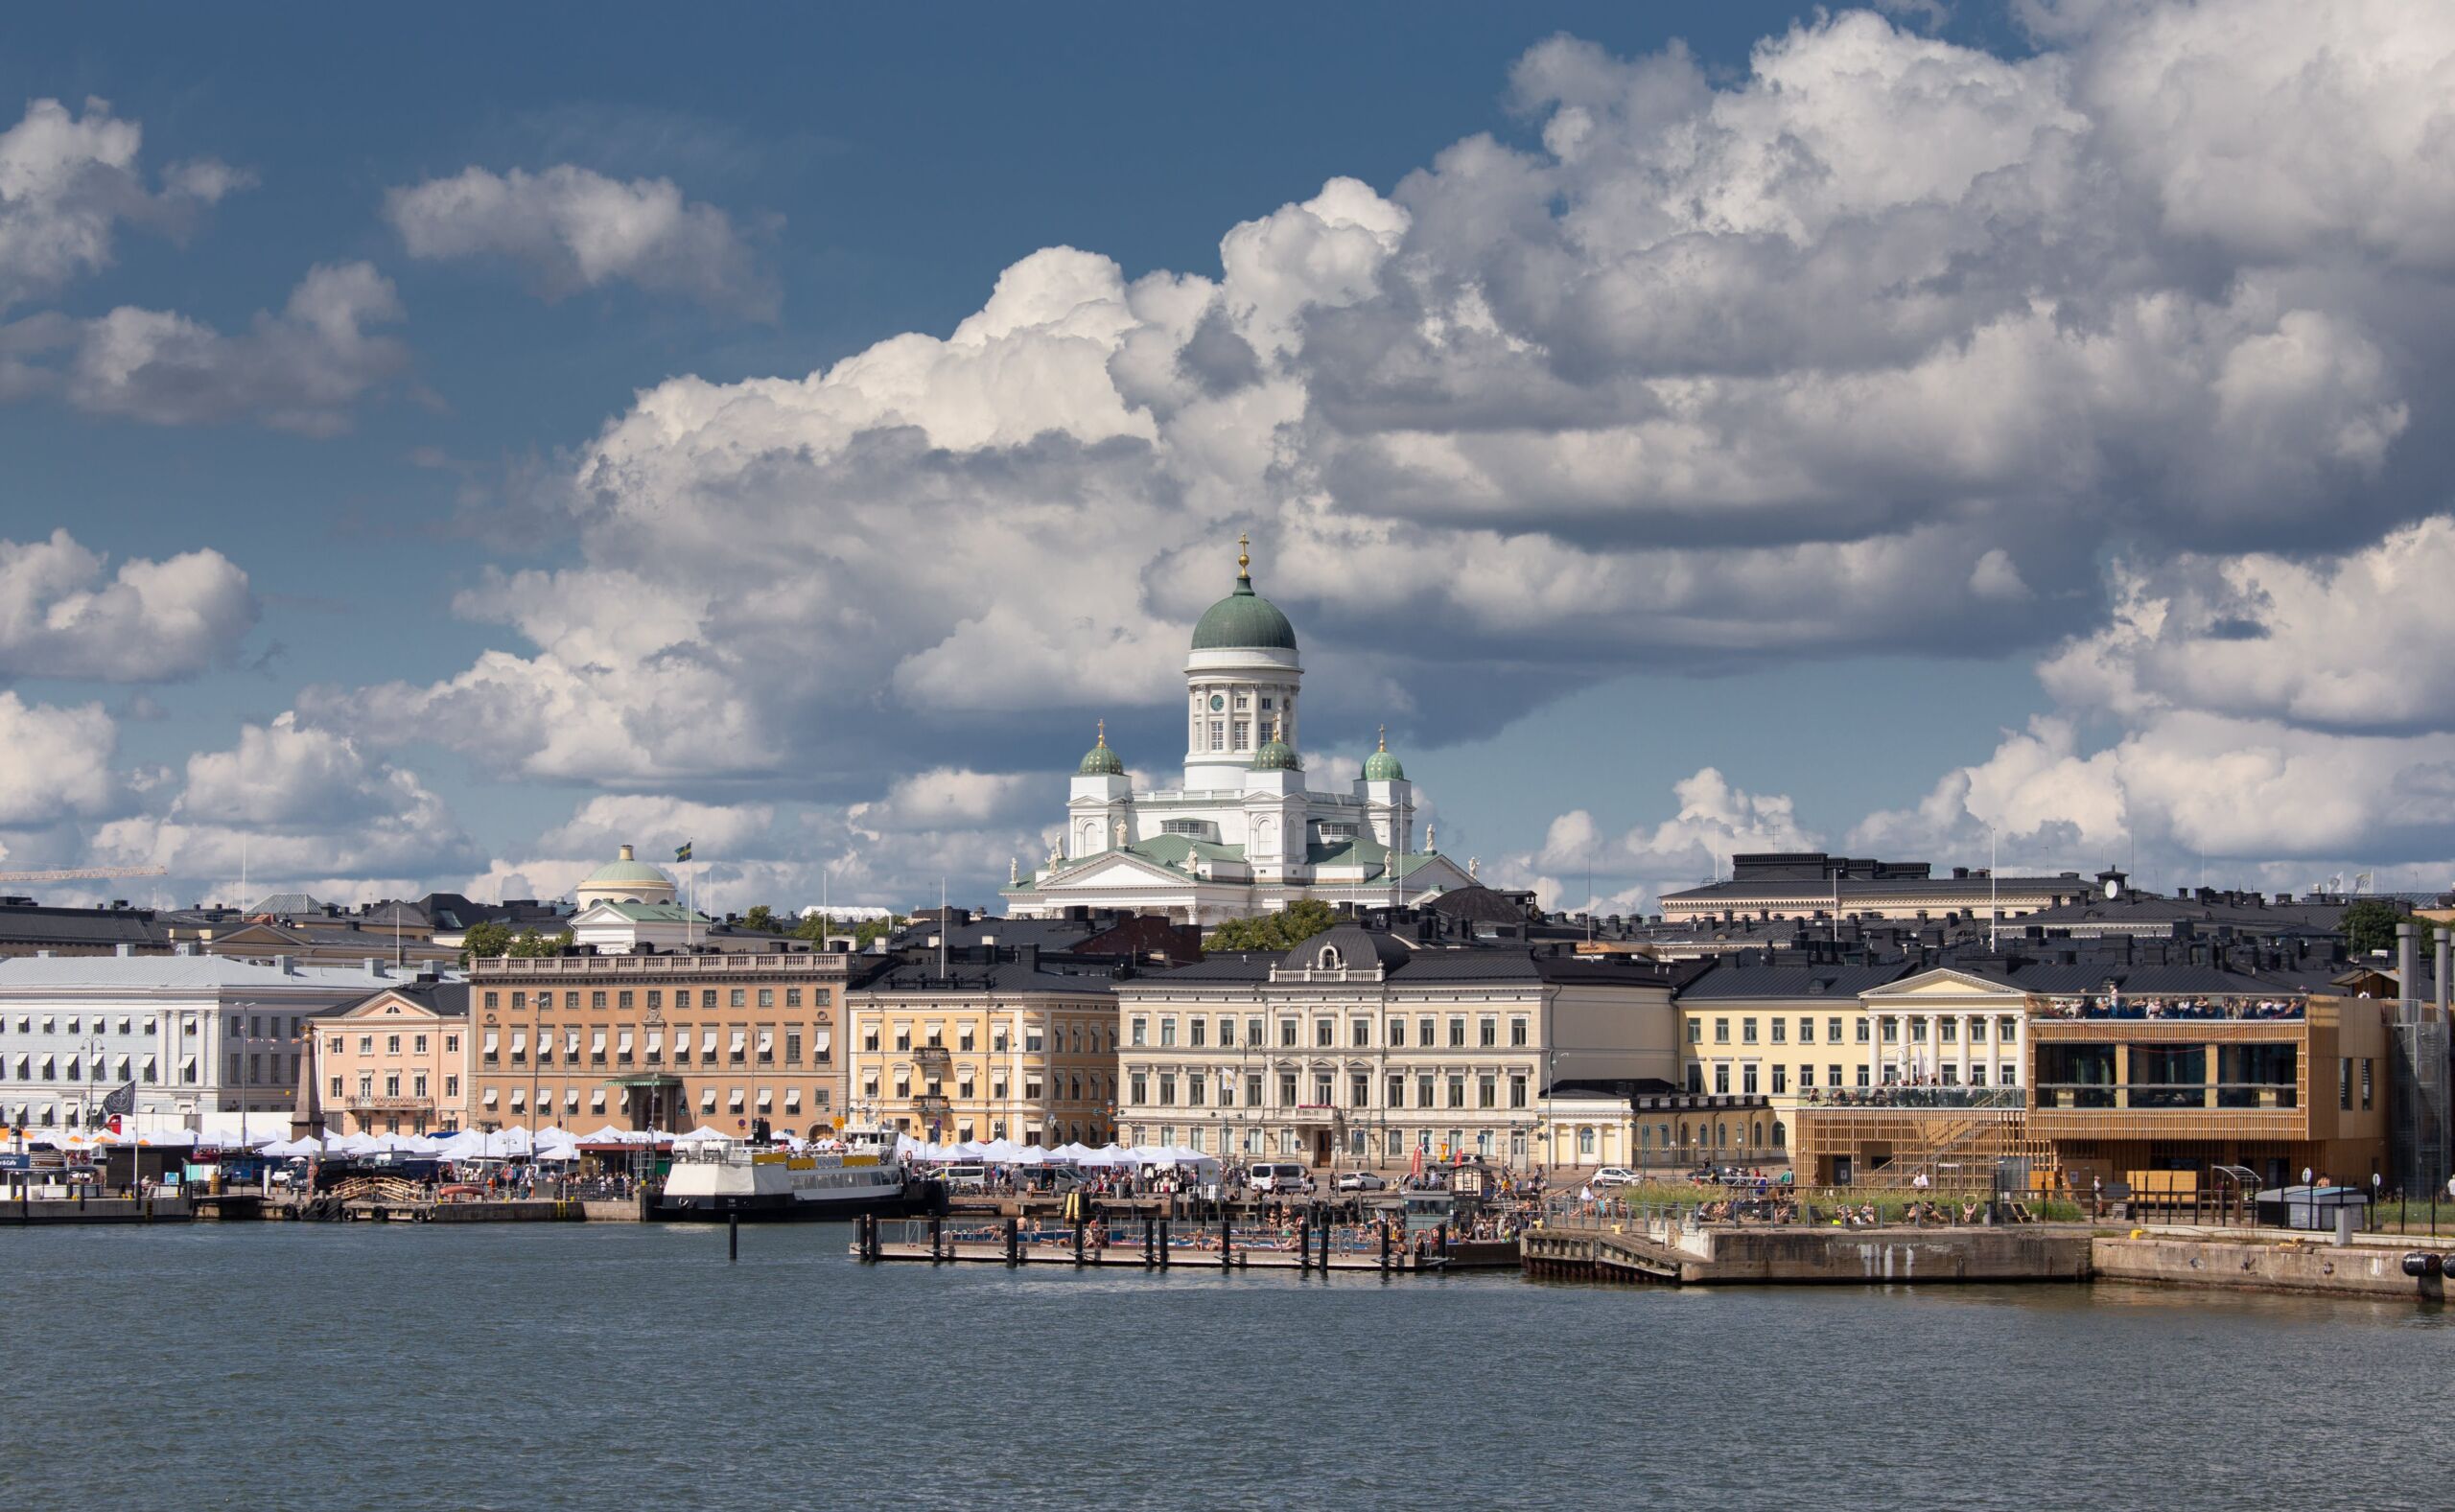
point(1280, 1177)
point(1361, 1181)
point(964, 1179)
point(1614, 1176)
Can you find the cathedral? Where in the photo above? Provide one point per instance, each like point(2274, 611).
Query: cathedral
point(1242, 834)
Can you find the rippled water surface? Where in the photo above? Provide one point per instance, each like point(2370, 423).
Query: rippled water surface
point(275, 1365)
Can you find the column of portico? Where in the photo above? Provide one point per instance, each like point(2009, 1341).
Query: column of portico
point(1963, 1029)
point(1875, 1050)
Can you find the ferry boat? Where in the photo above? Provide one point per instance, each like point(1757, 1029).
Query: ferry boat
point(829, 1180)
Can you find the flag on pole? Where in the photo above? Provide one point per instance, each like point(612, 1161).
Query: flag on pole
point(682, 852)
point(123, 1101)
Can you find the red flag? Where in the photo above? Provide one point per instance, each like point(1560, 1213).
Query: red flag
point(114, 1123)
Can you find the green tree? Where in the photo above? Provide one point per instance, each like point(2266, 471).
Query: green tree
point(817, 928)
point(1291, 926)
point(530, 943)
point(484, 941)
point(761, 919)
point(2369, 924)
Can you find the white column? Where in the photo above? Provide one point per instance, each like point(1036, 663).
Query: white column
point(1875, 1051)
point(1964, 1048)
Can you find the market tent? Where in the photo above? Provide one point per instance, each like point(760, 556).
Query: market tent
point(610, 1135)
point(1070, 1151)
point(702, 1134)
point(1105, 1155)
point(286, 1149)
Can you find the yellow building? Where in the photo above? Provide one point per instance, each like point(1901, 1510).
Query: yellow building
point(999, 1043)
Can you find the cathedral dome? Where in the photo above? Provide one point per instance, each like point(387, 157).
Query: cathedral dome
point(626, 879)
point(1383, 767)
point(1100, 760)
point(1244, 619)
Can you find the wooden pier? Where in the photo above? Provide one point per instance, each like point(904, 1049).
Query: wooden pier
point(1155, 1243)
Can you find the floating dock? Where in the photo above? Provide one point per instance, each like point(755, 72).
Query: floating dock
point(1155, 1243)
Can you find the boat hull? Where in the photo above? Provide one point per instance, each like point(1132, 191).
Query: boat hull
point(784, 1207)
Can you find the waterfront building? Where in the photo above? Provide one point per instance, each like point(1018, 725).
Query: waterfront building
point(297, 926)
point(1240, 832)
point(988, 1041)
point(1369, 1045)
point(30, 928)
point(1783, 1028)
point(659, 1040)
point(395, 1061)
point(208, 1040)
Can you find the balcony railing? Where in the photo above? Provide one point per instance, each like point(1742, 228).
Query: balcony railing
point(929, 1056)
point(390, 1104)
point(745, 963)
point(926, 1103)
point(2142, 1097)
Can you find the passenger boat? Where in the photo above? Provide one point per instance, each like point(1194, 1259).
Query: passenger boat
point(827, 1179)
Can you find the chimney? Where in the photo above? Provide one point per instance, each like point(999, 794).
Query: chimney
point(123, 950)
point(287, 965)
point(2407, 985)
point(374, 966)
point(2443, 950)
point(1027, 956)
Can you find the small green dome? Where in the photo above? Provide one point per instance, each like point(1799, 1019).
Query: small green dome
point(1276, 756)
point(1381, 766)
point(1100, 760)
point(1244, 619)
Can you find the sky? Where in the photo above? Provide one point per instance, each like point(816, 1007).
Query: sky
point(438, 456)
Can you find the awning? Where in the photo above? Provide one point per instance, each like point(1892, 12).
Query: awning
point(826, 1040)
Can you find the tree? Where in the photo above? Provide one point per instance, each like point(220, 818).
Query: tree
point(761, 919)
point(530, 943)
point(484, 941)
point(2369, 924)
point(817, 928)
point(1291, 926)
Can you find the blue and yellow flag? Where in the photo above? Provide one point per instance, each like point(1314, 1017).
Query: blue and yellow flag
point(682, 852)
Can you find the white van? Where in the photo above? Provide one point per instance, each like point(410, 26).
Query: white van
point(1280, 1177)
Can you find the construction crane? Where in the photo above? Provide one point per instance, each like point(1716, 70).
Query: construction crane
point(79, 873)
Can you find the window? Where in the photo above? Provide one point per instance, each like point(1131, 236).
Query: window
point(1218, 735)
point(1747, 1078)
point(1862, 1077)
point(1322, 1088)
point(870, 1038)
point(1488, 1033)
point(337, 1086)
point(1360, 1033)
point(1722, 1031)
point(1395, 1093)
point(2366, 1068)
point(1892, 1030)
point(793, 1047)
point(1227, 1032)
point(1696, 1031)
point(656, 997)
point(597, 1000)
point(1167, 1031)
point(1287, 1089)
point(1287, 1033)
point(1721, 1078)
point(1978, 1031)
point(623, 999)
point(903, 1038)
point(1517, 1091)
point(1325, 1033)
point(450, 1086)
point(491, 1001)
point(1517, 1034)
point(1196, 1028)
point(391, 1044)
point(1488, 1091)
point(1423, 1091)
point(1359, 1090)
point(1747, 1030)
point(1456, 1090)
point(1780, 1028)
point(1167, 1090)
point(792, 998)
point(734, 999)
point(1397, 1033)
point(1457, 1033)
point(1782, 1074)
point(1252, 1033)
point(1243, 735)
point(766, 997)
point(1254, 1089)
point(366, 1044)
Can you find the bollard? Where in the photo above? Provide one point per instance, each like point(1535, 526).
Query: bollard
point(1163, 1244)
point(1226, 1238)
point(1303, 1243)
point(1385, 1245)
point(1014, 1243)
point(1078, 1241)
point(1147, 1257)
point(733, 1237)
point(937, 1235)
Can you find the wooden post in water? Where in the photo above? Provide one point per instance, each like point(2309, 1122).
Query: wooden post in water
point(1147, 1256)
point(733, 1236)
point(937, 1233)
point(1329, 1231)
point(1014, 1243)
point(1305, 1242)
point(1163, 1244)
point(1226, 1237)
point(1078, 1241)
point(1384, 1247)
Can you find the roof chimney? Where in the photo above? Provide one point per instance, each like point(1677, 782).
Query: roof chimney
point(627, 854)
point(287, 965)
point(124, 948)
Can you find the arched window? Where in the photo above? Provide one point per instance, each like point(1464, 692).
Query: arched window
point(1585, 1141)
point(1330, 960)
point(1781, 1136)
point(1721, 1134)
point(1756, 1132)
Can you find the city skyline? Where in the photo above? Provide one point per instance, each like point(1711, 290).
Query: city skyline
point(1883, 431)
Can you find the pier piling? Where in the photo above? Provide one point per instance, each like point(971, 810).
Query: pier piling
point(1014, 1243)
point(733, 1237)
point(1163, 1244)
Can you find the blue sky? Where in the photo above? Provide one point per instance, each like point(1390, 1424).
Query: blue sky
point(1690, 431)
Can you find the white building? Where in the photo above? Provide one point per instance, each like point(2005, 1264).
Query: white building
point(207, 1039)
point(1242, 833)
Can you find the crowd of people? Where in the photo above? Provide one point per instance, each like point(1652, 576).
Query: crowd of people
point(1919, 1090)
point(2114, 1005)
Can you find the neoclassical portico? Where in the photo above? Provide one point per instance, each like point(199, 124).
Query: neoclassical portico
point(1943, 1027)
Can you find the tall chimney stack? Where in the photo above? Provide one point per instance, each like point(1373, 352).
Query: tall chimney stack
point(2407, 983)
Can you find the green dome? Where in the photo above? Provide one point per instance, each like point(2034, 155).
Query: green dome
point(1244, 619)
point(1276, 756)
point(1100, 760)
point(1383, 767)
